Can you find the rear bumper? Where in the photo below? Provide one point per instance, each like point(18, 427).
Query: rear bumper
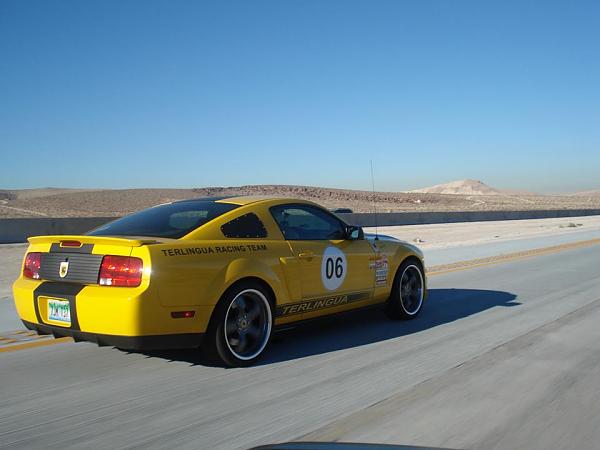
point(124, 317)
point(137, 343)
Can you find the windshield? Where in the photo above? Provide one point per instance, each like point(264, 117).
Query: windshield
point(172, 220)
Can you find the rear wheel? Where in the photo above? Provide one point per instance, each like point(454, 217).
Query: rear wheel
point(241, 325)
point(406, 299)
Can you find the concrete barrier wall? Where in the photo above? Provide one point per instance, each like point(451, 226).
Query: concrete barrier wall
point(18, 230)
point(421, 218)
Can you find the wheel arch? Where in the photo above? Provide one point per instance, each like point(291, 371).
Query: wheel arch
point(415, 259)
point(254, 279)
point(215, 343)
point(254, 269)
point(272, 297)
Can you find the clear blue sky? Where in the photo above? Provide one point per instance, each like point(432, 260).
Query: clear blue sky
point(189, 94)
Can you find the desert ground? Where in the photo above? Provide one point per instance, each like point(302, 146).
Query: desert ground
point(463, 195)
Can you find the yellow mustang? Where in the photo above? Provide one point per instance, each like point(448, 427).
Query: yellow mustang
point(217, 273)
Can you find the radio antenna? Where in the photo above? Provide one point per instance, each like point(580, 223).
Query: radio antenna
point(374, 203)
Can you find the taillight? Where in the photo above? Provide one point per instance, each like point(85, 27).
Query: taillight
point(120, 271)
point(31, 268)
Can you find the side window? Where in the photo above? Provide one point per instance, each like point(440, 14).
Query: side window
point(246, 226)
point(307, 223)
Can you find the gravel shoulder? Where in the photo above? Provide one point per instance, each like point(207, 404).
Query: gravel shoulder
point(447, 235)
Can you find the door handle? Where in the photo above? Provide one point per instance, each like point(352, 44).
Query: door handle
point(306, 255)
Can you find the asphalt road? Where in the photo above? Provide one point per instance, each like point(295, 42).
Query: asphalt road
point(504, 356)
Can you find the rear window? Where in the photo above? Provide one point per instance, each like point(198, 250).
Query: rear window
point(172, 220)
point(246, 226)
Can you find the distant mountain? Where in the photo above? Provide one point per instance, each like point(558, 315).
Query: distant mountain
point(592, 193)
point(461, 187)
point(57, 202)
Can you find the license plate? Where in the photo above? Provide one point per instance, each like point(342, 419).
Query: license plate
point(59, 310)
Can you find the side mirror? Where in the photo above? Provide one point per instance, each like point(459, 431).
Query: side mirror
point(354, 233)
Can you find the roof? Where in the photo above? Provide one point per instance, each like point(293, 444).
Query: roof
point(245, 200)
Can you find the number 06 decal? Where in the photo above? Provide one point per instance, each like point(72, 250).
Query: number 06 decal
point(333, 268)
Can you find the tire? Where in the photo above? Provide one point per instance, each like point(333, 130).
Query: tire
point(408, 291)
point(240, 328)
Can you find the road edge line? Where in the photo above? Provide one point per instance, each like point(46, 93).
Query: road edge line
point(25, 345)
point(441, 269)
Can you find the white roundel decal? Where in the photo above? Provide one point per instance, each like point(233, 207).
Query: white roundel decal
point(333, 268)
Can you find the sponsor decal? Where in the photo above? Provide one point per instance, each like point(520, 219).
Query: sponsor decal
point(381, 271)
point(333, 268)
point(215, 249)
point(320, 303)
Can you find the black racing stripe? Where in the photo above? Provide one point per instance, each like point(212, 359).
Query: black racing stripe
point(315, 304)
point(85, 248)
point(358, 296)
point(82, 268)
point(67, 291)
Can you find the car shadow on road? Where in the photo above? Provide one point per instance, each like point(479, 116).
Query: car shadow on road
point(364, 327)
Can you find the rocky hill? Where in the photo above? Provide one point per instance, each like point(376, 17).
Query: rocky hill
point(472, 196)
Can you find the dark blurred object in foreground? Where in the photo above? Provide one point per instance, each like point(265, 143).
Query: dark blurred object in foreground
point(340, 446)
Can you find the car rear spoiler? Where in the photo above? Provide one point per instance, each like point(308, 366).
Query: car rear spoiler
point(102, 240)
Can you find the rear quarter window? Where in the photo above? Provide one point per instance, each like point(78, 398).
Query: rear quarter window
point(246, 226)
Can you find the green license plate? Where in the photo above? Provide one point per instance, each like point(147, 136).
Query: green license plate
point(59, 310)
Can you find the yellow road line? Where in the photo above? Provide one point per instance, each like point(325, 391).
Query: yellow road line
point(470, 264)
point(25, 345)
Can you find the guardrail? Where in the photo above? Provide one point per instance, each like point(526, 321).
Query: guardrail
point(18, 230)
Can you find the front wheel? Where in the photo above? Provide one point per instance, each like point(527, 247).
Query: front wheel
point(406, 298)
point(241, 326)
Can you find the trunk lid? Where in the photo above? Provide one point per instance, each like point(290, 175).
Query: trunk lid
point(76, 258)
